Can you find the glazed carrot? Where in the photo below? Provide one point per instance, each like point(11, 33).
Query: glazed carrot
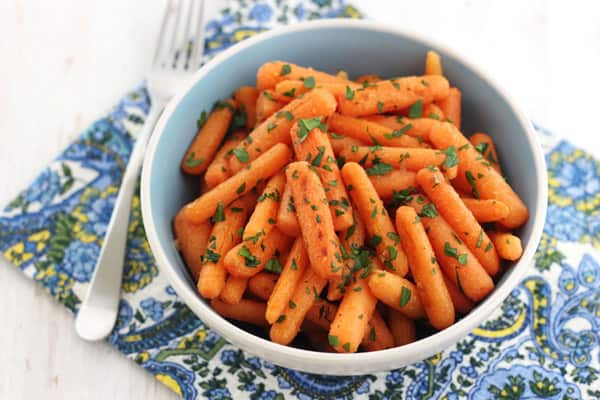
point(234, 289)
point(462, 304)
point(397, 293)
point(239, 184)
point(394, 95)
point(287, 221)
point(425, 270)
point(293, 89)
point(368, 78)
point(477, 174)
point(314, 147)
point(246, 97)
point(218, 170)
point(248, 259)
point(271, 73)
point(370, 132)
point(457, 215)
point(451, 106)
point(353, 315)
point(224, 235)
point(416, 127)
point(509, 246)
point(263, 218)
point(293, 270)
point(340, 142)
point(395, 157)
point(485, 145)
point(374, 215)
point(433, 64)
point(314, 217)
point(261, 285)
point(486, 210)
point(402, 328)
point(433, 111)
point(307, 292)
point(210, 135)
point(394, 181)
point(321, 314)
point(378, 335)
point(276, 128)
point(453, 256)
point(267, 104)
point(192, 240)
point(249, 311)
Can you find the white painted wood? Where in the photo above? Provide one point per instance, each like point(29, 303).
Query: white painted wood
point(63, 62)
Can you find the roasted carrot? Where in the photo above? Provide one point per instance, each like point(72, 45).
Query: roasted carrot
point(210, 135)
point(239, 184)
point(192, 240)
point(368, 78)
point(509, 246)
point(392, 182)
point(378, 335)
point(433, 64)
point(394, 95)
point(321, 314)
point(432, 111)
point(457, 215)
point(263, 218)
point(486, 210)
point(341, 142)
point(314, 217)
point(293, 89)
point(396, 292)
point(451, 106)
point(267, 104)
point(276, 128)
point(478, 175)
point(218, 170)
point(234, 289)
point(246, 97)
point(287, 221)
point(462, 303)
point(376, 219)
point(416, 127)
point(402, 328)
point(271, 73)
point(484, 144)
point(261, 285)
point(425, 270)
point(249, 311)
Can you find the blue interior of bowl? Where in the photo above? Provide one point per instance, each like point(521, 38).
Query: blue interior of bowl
point(358, 51)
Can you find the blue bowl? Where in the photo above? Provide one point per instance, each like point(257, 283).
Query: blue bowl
point(359, 47)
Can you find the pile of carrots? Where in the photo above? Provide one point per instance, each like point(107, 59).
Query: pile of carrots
point(344, 211)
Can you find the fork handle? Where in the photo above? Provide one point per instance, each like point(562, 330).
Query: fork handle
point(98, 312)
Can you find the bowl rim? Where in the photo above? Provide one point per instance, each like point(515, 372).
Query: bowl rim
point(332, 363)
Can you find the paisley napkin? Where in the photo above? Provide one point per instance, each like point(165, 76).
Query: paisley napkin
point(543, 342)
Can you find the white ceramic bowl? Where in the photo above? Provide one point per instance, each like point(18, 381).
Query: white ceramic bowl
point(359, 47)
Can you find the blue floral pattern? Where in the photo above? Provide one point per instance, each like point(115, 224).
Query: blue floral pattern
point(543, 342)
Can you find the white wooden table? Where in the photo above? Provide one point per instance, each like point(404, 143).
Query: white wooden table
point(64, 62)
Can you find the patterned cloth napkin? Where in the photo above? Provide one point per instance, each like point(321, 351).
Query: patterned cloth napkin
point(542, 343)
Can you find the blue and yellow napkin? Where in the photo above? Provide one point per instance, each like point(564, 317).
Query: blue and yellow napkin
point(544, 342)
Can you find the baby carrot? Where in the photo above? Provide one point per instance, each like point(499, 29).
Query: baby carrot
point(378, 335)
point(433, 64)
point(476, 173)
point(368, 78)
point(432, 111)
point(394, 95)
point(261, 285)
point(402, 328)
point(267, 104)
point(293, 270)
point(239, 184)
point(293, 89)
point(271, 73)
point(340, 142)
point(486, 210)
point(425, 270)
point(462, 303)
point(392, 182)
point(416, 127)
point(314, 147)
point(453, 256)
point(485, 145)
point(210, 135)
point(192, 240)
point(457, 215)
point(263, 218)
point(451, 106)
point(276, 128)
point(249, 311)
point(376, 219)
point(321, 314)
point(234, 289)
point(398, 293)
point(393, 157)
point(218, 170)
point(509, 246)
point(246, 97)
point(287, 221)
point(314, 217)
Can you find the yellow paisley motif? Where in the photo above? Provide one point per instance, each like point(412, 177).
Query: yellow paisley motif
point(169, 382)
point(16, 254)
point(498, 334)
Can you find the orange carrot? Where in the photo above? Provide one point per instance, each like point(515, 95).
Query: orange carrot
point(397, 293)
point(293, 89)
point(249, 311)
point(314, 147)
point(509, 246)
point(192, 240)
point(392, 182)
point(267, 104)
point(378, 336)
point(210, 135)
point(486, 210)
point(261, 285)
point(453, 210)
point(234, 289)
point(402, 328)
point(433, 111)
point(276, 128)
point(307, 292)
point(263, 218)
point(271, 73)
point(433, 64)
point(370, 132)
point(293, 270)
point(368, 78)
point(218, 170)
point(454, 257)
point(416, 127)
point(314, 217)
point(396, 157)
point(451, 106)
point(340, 142)
point(224, 235)
point(462, 304)
point(485, 145)
point(394, 95)
point(239, 184)
point(476, 173)
point(321, 314)
point(246, 97)
point(425, 270)
point(374, 215)
point(287, 221)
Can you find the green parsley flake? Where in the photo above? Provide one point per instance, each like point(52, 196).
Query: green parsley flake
point(202, 120)
point(241, 154)
point(416, 110)
point(379, 169)
point(192, 162)
point(429, 211)
point(285, 69)
point(349, 93)
point(405, 295)
point(309, 82)
point(219, 214)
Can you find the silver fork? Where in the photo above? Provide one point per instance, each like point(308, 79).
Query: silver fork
point(177, 55)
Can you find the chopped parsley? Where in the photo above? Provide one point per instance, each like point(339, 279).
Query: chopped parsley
point(202, 120)
point(309, 82)
point(429, 211)
point(349, 93)
point(416, 110)
point(379, 169)
point(219, 214)
point(405, 295)
point(241, 154)
point(285, 69)
point(471, 180)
